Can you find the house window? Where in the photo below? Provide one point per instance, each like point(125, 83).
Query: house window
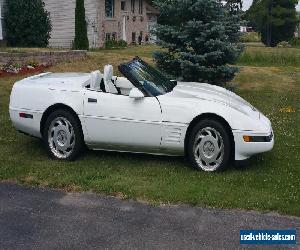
point(141, 7)
point(133, 37)
point(132, 6)
point(107, 36)
point(109, 8)
point(114, 36)
point(140, 38)
point(123, 5)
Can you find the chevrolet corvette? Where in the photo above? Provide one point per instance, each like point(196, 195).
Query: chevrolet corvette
point(141, 112)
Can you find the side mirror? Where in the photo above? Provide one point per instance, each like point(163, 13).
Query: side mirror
point(136, 94)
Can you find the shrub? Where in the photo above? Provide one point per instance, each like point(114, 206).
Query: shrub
point(122, 43)
point(295, 42)
point(11, 68)
point(81, 40)
point(27, 23)
point(32, 63)
point(250, 37)
point(284, 44)
point(114, 44)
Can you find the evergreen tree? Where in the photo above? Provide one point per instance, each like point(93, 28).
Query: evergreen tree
point(276, 20)
point(27, 23)
point(81, 40)
point(233, 16)
point(234, 6)
point(200, 40)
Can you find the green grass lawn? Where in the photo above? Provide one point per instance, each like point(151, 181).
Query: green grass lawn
point(270, 182)
point(262, 56)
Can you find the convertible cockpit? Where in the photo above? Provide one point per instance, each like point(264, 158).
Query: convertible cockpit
point(108, 83)
point(138, 74)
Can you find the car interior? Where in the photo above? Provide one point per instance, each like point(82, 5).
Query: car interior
point(108, 83)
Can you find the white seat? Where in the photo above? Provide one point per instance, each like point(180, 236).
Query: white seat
point(124, 85)
point(96, 78)
point(108, 75)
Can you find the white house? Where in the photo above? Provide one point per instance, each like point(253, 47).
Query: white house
point(128, 20)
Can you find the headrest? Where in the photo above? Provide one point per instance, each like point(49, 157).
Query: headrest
point(108, 73)
point(96, 77)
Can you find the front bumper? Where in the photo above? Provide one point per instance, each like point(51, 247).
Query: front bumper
point(244, 150)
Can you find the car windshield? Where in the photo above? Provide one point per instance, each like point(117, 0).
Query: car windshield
point(146, 78)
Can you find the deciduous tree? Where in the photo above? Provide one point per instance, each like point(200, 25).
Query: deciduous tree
point(276, 20)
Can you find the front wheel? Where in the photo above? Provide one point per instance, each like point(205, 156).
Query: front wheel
point(63, 135)
point(209, 146)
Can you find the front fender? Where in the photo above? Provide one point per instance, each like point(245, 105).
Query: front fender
point(238, 120)
point(185, 110)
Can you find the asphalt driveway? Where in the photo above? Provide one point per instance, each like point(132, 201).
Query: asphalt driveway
point(32, 218)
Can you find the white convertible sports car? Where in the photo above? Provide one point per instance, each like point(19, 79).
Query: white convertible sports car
point(142, 112)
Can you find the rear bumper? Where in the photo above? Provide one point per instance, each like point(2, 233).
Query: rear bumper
point(27, 125)
point(244, 150)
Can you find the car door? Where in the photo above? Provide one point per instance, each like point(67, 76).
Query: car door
point(123, 123)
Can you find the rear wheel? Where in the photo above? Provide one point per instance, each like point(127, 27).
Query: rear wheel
point(63, 135)
point(209, 146)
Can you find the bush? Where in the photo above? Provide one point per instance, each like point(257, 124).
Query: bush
point(11, 68)
point(32, 63)
point(81, 40)
point(284, 44)
point(27, 23)
point(295, 42)
point(113, 44)
point(250, 37)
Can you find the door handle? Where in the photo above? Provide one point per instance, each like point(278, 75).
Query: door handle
point(92, 100)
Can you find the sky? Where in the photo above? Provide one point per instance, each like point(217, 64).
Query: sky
point(247, 4)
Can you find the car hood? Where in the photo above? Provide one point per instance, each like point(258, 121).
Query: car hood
point(214, 93)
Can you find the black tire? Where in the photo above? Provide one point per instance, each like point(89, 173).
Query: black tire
point(77, 138)
point(207, 146)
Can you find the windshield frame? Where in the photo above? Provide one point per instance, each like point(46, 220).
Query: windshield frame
point(162, 89)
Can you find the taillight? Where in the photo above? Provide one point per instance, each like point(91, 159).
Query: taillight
point(25, 115)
